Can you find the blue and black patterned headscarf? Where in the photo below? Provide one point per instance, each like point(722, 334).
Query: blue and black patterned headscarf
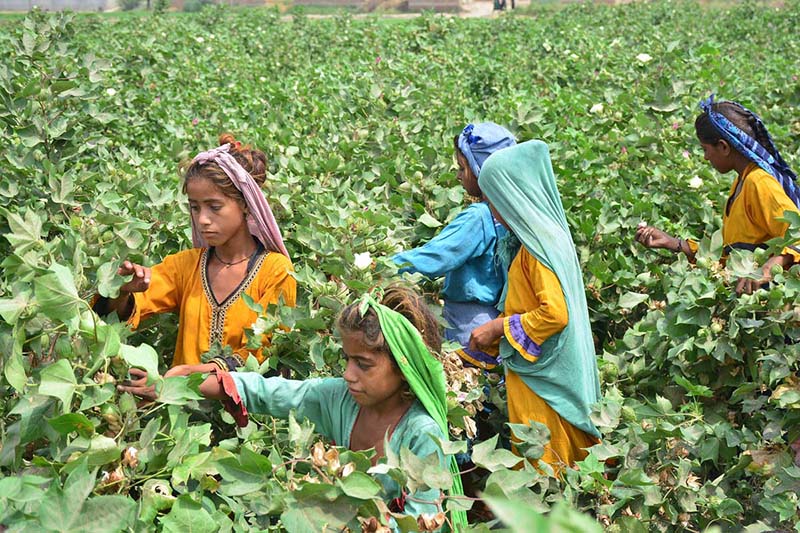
point(766, 157)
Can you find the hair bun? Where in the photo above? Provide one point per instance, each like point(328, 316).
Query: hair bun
point(228, 138)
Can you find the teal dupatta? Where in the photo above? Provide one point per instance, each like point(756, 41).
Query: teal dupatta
point(519, 182)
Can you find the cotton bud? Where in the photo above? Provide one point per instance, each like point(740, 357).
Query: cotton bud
point(332, 460)
point(427, 522)
point(102, 378)
point(348, 469)
point(371, 525)
point(318, 454)
point(362, 261)
point(130, 457)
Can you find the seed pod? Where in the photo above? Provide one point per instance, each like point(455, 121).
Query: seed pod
point(318, 455)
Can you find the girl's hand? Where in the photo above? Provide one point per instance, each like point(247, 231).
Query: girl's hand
point(749, 286)
point(138, 385)
point(486, 334)
point(652, 237)
point(141, 277)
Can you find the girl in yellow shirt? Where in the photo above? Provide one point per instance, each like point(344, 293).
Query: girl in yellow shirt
point(734, 138)
point(238, 250)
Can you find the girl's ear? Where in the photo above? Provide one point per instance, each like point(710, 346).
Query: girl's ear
point(724, 146)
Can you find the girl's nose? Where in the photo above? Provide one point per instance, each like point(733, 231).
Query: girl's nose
point(349, 375)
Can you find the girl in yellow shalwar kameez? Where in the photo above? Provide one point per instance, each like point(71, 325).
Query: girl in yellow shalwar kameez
point(238, 250)
point(734, 138)
point(545, 338)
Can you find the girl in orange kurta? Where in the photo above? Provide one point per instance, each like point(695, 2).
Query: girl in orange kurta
point(238, 250)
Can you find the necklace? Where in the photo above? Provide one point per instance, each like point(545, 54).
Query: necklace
point(231, 263)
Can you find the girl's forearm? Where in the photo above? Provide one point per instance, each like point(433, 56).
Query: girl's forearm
point(122, 305)
point(212, 388)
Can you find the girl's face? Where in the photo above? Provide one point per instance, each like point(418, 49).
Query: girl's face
point(372, 378)
point(468, 180)
point(497, 216)
point(718, 154)
point(218, 217)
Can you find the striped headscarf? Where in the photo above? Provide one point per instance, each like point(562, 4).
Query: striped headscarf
point(767, 157)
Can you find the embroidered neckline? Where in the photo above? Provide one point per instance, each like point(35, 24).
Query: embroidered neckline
point(220, 309)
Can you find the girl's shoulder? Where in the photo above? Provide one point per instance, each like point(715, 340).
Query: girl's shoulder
point(421, 421)
point(276, 261)
point(758, 177)
point(478, 209)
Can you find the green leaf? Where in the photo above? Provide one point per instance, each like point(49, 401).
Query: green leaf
point(142, 356)
point(66, 424)
point(188, 516)
point(427, 220)
point(94, 396)
point(359, 485)
point(179, 390)
point(108, 282)
point(318, 513)
point(485, 455)
point(14, 369)
point(69, 510)
point(58, 380)
point(12, 308)
point(693, 389)
point(630, 300)
point(57, 296)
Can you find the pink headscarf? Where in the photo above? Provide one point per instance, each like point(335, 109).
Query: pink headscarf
point(261, 221)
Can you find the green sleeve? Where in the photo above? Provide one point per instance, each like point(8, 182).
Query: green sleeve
point(323, 401)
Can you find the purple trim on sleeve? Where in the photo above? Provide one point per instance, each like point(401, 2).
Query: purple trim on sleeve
point(480, 358)
point(521, 338)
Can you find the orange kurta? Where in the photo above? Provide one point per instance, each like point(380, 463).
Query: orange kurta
point(179, 284)
point(751, 214)
point(535, 301)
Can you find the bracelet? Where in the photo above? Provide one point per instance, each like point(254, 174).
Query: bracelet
point(679, 248)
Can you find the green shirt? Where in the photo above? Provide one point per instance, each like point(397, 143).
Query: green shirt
point(328, 404)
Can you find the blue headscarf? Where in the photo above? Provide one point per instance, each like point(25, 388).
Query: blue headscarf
point(478, 141)
point(766, 157)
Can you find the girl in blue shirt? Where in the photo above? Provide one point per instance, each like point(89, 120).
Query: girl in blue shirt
point(464, 251)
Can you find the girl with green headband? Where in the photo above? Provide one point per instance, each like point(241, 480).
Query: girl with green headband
point(392, 390)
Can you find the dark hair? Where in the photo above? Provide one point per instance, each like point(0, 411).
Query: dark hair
point(742, 118)
point(252, 160)
point(403, 300)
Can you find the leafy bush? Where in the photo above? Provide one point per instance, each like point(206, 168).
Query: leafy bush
point(193, 6)
point(129, 5)
point(160, 6)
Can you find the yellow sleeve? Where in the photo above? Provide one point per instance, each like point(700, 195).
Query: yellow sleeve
point(526, 332)
point(164, 293)
point(768, 203)
point(279, 284)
